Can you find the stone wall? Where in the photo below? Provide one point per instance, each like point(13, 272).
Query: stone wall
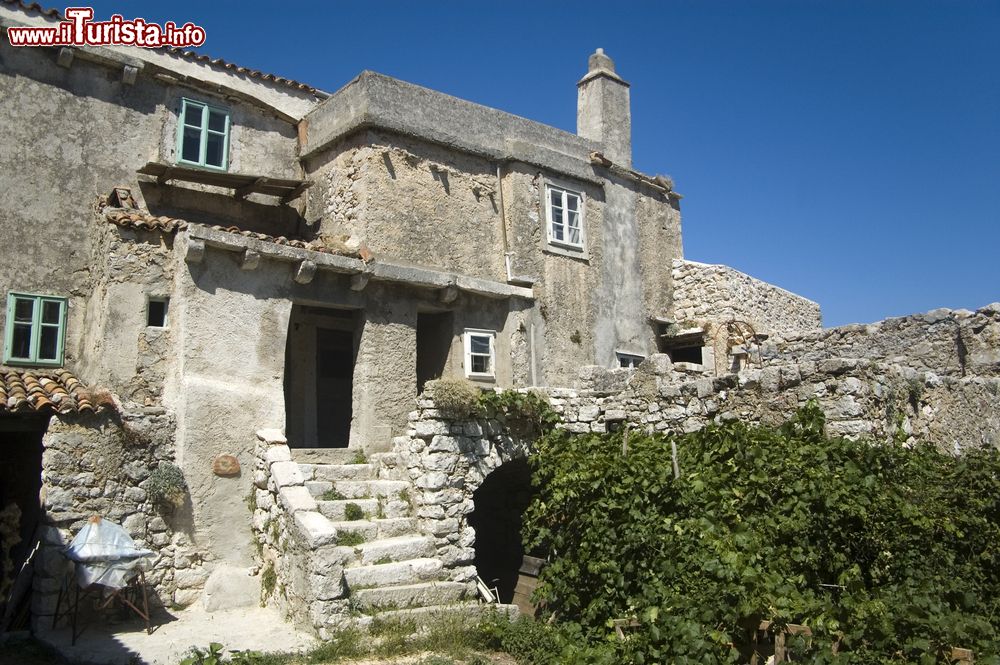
point(705, 292)
point(100, 464)
point(448, 459)
point(301, 564)
point(948, 342)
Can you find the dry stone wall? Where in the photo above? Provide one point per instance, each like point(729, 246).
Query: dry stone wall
point(100, 464)
point(947, 342)
point(719, 293)
point(301, 563)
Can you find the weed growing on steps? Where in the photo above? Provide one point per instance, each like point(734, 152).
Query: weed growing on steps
point(353, 512)
point(332, 495)
point(350, 538)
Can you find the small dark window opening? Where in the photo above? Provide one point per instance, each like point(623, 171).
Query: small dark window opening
point(686, 354)
point(156, 313)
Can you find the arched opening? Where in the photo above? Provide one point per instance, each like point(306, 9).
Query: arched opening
point(499, 505)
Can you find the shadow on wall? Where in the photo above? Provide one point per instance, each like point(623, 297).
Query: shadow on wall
point(500, 503)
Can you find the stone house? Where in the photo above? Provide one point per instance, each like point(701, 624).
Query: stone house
point(194, 253)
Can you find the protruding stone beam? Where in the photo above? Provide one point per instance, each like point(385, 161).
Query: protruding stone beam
point(305, 272)
point(448, 294)
point(247, 190)
point(129, 74)
point(250, 260)
point(65, 57)
point(360, 280)
point(195, 250)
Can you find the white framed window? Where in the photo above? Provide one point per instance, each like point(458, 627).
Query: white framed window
point(480, 353)
point(564, 216)
point(36, 330)
point(203, 135)
point(629, 360)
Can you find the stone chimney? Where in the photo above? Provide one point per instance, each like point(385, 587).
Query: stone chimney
point(602, 110)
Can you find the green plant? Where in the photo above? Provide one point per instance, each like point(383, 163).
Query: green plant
point(889, 552)
point(350, 538)
point(332, 494)
point(384, 559)
point(210, 656)
point(359, 458)
point(268, 582)
point(527, 412)
point(454, 398)
point(404, 495)
point(353, 512)
point(166, 485)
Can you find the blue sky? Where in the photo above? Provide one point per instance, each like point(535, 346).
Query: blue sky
point(847, 151)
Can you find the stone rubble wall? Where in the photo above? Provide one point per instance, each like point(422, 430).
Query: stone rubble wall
point(301, 565)
point(447, 460)
point(706, 292)
point(948, 342)
point(100, 464)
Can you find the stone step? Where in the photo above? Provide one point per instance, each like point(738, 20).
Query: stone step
point(335, 472)
point(417, 617)
point(396, 573)
point(422, 594)
point(357, 489)
point(372, 530)
point(324, 455)
point(391, 508)
point(399, 548)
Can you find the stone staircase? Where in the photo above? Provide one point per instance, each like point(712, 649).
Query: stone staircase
point(390, 569)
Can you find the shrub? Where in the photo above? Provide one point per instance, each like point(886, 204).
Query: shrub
point(893, 553)
point(454, 398)
point(166, 485)
point(353, 512)
point(350, 538)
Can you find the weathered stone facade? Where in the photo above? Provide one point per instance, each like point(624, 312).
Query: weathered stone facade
point(299, 322)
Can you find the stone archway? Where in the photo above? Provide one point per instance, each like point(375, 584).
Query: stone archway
point(499, 504)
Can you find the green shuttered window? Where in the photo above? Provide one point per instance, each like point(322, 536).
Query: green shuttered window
point(36, 330)
point(203, 135)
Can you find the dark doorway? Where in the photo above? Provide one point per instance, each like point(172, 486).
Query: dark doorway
point(20, 483)
point(334, 384)
point(499, 504)
point(434, 336)
point(319, 376)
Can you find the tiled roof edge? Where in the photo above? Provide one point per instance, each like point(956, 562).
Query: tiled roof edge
point(187, 54)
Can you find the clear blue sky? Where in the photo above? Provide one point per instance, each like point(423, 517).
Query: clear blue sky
point(847, 151)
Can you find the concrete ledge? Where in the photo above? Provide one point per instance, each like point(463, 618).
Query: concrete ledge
point(382, 102)
point(383, 271)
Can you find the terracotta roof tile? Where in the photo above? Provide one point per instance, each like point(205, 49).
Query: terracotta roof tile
point(186, 54)
point(143, 220)
point(30, 390)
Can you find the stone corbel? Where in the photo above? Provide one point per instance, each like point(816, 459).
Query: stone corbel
point(448, 294)
point(195, 250)
point(360, 280)
point(65, 57)
point(305, 272)
point(250, 260)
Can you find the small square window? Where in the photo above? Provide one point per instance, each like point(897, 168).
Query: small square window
point(480, 353)
point(203, 135)
point(36, 328)
point(564, 217)
point(156, 312)
point(629, 360)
